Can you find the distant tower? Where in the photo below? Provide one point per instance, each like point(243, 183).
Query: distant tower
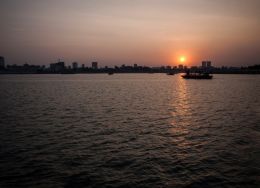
point(2, 62)
point(181, 67)
point(57, 67)
point(94, 65)
point(75, 65)
point(204, 64)
point(208, 64)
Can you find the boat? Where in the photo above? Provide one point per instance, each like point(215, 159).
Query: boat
point(170, 73)
point(197, 76)
point(110, 73)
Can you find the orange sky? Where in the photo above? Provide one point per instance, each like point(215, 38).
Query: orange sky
point(147, 32)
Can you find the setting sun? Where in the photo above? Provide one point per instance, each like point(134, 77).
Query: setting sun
point(182, 59)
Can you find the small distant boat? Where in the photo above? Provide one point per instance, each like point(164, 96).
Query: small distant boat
point(110, 73)
point(197, 76)
point(170, 73)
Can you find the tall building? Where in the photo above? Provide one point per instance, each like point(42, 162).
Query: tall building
point(204, 64)
point(57, 67)
point(94, 65)
point(208, 64)
point(181, 67)
point(75, 65)
point(2, 62)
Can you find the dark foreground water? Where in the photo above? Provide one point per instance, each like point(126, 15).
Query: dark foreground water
point(129, 130)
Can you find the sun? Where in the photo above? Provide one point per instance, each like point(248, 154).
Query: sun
point(182, 59)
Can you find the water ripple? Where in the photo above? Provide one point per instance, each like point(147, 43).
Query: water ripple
point(129, 130)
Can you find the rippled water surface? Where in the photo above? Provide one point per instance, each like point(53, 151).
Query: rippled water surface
point(129, 130)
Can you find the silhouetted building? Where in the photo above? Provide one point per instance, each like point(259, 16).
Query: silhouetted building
point(2, 62)
point(94, 65)
point(204, 64)
point(75, 65)
point(25, 69)
point(194, 68)
point(181, 67)
point(57, 67)
point(208, 64)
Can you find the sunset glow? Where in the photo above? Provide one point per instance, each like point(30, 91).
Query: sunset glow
point(116, 32)
point(130, 93)
point(182, 59)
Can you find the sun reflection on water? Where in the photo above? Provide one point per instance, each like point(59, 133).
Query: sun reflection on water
point(181, 117)
point(182, 110)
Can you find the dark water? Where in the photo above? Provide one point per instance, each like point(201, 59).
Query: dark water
point(129, 130)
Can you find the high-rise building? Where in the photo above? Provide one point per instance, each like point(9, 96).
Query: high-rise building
point(2, 62)
point(208, 64)
point(75, 65)
point(57, 67)
point(181, 67)
point(94, 65)
point(204, 64)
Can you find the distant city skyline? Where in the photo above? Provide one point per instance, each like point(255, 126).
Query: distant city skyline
point(116, 32)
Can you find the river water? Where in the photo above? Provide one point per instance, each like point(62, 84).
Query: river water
point(129, 130)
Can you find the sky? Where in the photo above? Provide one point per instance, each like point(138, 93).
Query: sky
point(115, 32)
